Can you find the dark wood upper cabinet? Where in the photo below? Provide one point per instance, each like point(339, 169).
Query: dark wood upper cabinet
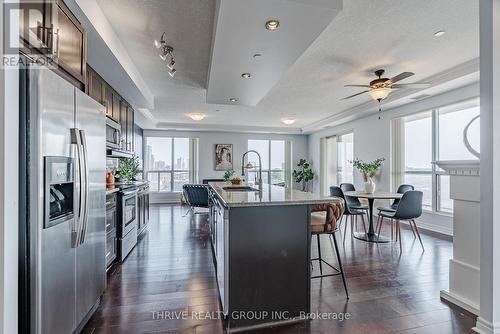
point(107, 97)
point(115, 98)
point(69, 41)
point(95, 86)
point(123, 123)
point(130, 129)
point(48, 29)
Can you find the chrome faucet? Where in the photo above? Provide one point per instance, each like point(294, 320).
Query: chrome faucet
point(249, 165)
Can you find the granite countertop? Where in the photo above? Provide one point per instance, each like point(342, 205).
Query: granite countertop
point(269, 196)
point(118, 186)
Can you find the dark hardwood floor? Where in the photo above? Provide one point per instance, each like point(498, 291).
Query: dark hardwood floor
point(171, 269)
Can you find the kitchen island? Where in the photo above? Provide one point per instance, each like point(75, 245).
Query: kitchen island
point(261, 244)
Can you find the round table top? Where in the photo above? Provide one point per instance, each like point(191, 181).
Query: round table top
point(375, 195)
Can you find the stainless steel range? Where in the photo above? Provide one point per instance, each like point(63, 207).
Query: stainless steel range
point(127, 225)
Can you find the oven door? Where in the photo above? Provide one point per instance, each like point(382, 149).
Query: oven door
point(129, 211)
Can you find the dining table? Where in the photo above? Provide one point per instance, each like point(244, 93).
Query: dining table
point(371, 236)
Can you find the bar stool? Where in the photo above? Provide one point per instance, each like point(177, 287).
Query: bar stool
point(324, 219)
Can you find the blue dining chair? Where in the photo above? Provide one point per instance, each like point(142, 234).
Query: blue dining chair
point(392, 208)
point(350, 212)
point(409, 209)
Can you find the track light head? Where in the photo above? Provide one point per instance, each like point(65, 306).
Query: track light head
point(172, 72)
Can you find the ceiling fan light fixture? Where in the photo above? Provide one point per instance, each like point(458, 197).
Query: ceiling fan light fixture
point(379, 93)
point(196, 116)
point(288, 120)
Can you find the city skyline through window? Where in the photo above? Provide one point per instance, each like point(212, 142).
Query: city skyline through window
point(166, 163)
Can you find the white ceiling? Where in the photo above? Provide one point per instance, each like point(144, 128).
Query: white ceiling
point(364, 36)
point(240, 33)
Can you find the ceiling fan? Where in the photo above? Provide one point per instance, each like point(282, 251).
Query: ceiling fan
point(380, 88)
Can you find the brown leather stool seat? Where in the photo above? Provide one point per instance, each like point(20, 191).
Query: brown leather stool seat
point(323, 220)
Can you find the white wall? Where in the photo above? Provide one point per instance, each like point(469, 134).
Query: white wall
point(207, 141)
point(372, 140)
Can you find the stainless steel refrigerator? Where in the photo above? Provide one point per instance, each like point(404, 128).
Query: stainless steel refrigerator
point(62, 234)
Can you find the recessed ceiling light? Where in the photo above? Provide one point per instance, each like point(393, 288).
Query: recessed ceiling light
point(246, 75)
point(257, 56)
point(196, 116)
point(439, 33)
point(233, 99)
point(272, 25)
point(288, 120)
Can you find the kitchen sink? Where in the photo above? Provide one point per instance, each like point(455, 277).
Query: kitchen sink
point(240, 188)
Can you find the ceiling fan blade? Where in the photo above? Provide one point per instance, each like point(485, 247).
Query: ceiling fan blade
point(345, 98)
point(412, 85)
point(365, 86)
point(401, 76)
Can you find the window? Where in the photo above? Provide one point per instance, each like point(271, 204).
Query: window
point(337, 152)
point(345, 154)
point(167, 163)
point(273, 158)
point(431, 136)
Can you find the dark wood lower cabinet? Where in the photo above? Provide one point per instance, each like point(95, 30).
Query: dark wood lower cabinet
point(111, 223)
point(142, 209)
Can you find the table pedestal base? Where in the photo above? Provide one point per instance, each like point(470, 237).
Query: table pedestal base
point(371, 237)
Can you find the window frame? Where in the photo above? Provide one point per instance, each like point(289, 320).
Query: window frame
point(171, 171)
point(338, 173)
point(435, 172)
point(270, 170)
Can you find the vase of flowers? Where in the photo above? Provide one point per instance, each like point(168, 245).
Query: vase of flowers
point(368, 170)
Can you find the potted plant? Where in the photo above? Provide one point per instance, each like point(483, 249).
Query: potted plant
point(228, 175)
point(368, 169)
point(304, 174)
point(128, 168)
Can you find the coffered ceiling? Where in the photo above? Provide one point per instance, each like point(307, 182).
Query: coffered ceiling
point(342, 46)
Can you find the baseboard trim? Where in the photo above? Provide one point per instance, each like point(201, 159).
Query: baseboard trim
point(485, 327)
point(460, 302)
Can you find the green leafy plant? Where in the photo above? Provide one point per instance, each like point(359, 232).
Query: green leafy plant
point(128, 168)
point(368, 169)
point(304, 174)
point(228, 175)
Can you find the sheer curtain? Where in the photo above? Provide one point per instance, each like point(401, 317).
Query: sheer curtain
point(397, 152)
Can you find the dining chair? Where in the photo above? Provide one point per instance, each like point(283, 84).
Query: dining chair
point(353, 202)
point(409, 208)
point(349, 212)
point(324, 218)
point(392, 208)
point(196, 196)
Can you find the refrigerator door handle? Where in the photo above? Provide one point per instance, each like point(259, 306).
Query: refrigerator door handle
point(86, 187)
point(76, 140)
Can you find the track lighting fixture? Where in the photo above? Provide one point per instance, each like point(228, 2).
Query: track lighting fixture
point(166, 54)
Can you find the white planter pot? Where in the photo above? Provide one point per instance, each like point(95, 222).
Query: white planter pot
point(370, 186)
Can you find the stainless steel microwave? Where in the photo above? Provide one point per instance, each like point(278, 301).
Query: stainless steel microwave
point(113, 133)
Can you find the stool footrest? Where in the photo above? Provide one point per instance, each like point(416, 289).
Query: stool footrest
point(337, 271)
